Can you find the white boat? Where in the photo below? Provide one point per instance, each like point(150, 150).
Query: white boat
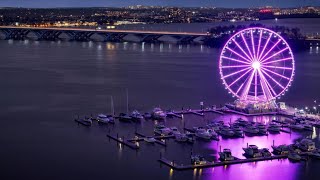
point(308, 127)
point(252, 151)
point(273, 127)
point(280, 150)
point(226, 155)
point(147, 115)
point(175, 131)
point(242, 122)
point(102, 118)
point(198, 160)
point(162, 130)
point(226, 131)
point(181, 137)
point(158, 114)
point(190, 137)
point(294, 156)
point(265, 152)
point(136, 116)
point(203, 134)
point(307, 145)
point(213, 134)
point(297, 126)
point(150, 139)
point(251, 130)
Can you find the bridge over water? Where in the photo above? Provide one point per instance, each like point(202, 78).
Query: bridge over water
point(85, 34)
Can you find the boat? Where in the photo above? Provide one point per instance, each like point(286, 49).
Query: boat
point(252, 151)
point(265, 152)
point(174, 130)
point(280, 150)
point(273, 127)
point(124, 117)
point(147, 115)
point(241, 122)
point(198, 160)
point(111, 119)
point(226, 155)
point(297, 126)
point(158, 114)
point(213, 134)
point(226, 131)
point(190, 138)
point(203, 134)
point(162, 130)
point(251, 130)
point(181, 137)
point(102, 119)
point(316, 124)
point(306, 145)
point(136, 116)
point(294, 156)
point(238, 133)
point(85, 121)
point(307, 127)
point(150, 139)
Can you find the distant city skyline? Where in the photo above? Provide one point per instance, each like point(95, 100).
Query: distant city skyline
point(182, 3)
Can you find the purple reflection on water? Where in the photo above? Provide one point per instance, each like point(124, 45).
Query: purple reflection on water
point(258, 170)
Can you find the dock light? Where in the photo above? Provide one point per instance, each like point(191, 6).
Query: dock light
point(314, 107)
point(306, 108)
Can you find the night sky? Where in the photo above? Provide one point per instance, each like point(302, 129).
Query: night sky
point(122, 3)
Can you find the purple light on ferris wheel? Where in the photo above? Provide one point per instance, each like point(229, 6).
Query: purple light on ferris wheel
point(256, 65)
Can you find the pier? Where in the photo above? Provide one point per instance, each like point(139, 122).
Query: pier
point(176, 166)
point(122, 141)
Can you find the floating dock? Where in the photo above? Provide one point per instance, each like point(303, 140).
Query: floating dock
point(124, 142)
point(163, 143)
point(176, 166)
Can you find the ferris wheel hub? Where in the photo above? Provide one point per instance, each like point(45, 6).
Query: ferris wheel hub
point(256, 65)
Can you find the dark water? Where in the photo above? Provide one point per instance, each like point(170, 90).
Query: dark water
point(45, 84)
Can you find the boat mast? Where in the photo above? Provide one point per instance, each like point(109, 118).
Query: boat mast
point(112, 108)
point(127, 101)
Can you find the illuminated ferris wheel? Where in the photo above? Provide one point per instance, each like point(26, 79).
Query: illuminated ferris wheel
point(256, 65)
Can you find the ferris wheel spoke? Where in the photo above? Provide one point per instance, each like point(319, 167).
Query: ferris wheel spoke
point(238, 54)
point(277, 67)
point(245, 42)
point(278, 60)
point(247, 86)
point(253, 48)
point(262, 58)
point(236, 66)
point(266, 87)
point(236, 60)
point(258, 51)
point(245, 53)
point(273, 79)
point(237, 72)
point(240, 77)
point(265, 69)
point(265, 46)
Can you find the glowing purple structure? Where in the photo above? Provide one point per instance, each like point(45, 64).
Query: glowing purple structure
point(256, 65)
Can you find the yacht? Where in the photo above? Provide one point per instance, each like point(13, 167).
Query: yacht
point(280, 150)
point(181, 137)
point(150, 139)
point(213, 134)
point(265, 152)
point(226, 131)
point(308, 127)
point(242, 122)
point(297, 126)
point(238, 132)
point(190, 138)
point(226, 155)
point(136, 116)
point(203, 134)
point(175, 130)
point(158, 114)
point(162, 130)
point(124, 117)
point(103, 119)
point(111, 119)
point(252, 151)
point(198, 160)
point(147, 115)
point(294, 156)
point(85, 121)
point(273, 127)
point(251, 130)
point(307, 145)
